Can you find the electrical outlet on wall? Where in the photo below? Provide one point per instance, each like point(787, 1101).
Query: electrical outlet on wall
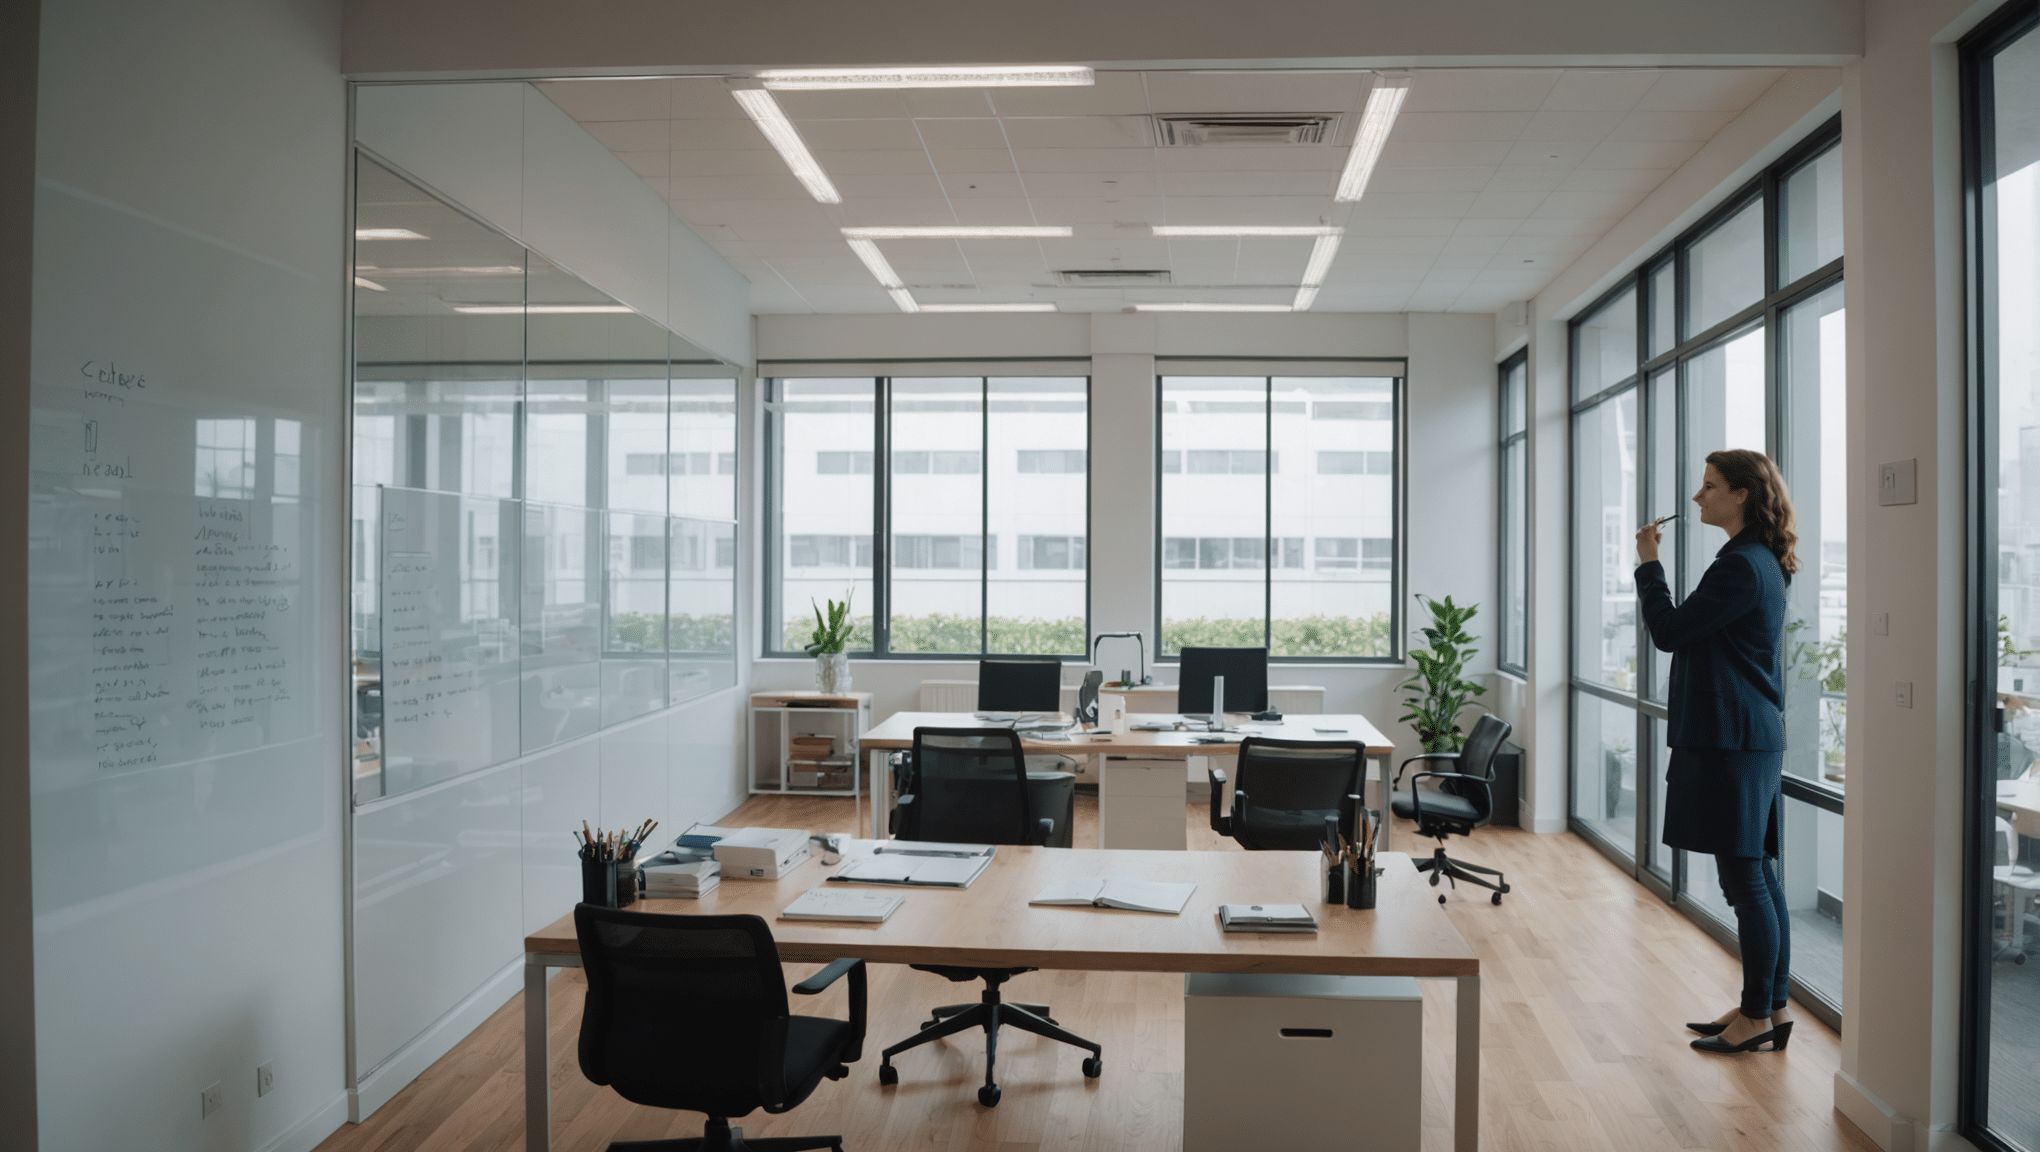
point(1902, 692)
point(265, 1077)
point(209, 1099)
point(1880, 623)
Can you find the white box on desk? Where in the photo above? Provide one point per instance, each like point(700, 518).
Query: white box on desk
point(761, 853)
point(1283, 1061)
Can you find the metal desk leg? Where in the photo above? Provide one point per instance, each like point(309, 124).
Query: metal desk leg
point(1387, 799)
point(881, 792)
point(537, 1042)
point(1466, 1071)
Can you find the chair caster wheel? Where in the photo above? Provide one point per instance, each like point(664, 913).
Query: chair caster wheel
point(1495, 899)
point(989, 1095)
point(1441, 897)
point(887, 1074)
point(1094, 1066)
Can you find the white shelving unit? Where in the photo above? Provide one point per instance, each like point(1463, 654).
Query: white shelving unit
point(777, 718)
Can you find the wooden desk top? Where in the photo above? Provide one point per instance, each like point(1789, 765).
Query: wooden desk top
point(897, 731)
point(2021, 795)
point(990, 924)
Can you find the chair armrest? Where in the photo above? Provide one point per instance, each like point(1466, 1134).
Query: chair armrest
point(1414, 792)
point(1219, 823)
point(830, 975)
point(1044, 828)
point(1420, 756)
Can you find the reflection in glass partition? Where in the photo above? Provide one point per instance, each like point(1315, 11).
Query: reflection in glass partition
point(562, 634)
point(701, 617)
point(634, 645)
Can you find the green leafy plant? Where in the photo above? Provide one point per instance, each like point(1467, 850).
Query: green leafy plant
point(2009, 653)
point(1825, 661)
point(1439, 691)
point(834, 632)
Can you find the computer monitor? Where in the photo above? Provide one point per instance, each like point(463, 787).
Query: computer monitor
point(1246, 679)
point(1020, 684)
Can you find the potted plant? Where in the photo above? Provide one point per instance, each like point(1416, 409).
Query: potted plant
point(833, 633)
point(1439, 691)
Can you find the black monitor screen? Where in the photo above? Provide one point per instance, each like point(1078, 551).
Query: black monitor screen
point(1246, 679)
point(1020, 685)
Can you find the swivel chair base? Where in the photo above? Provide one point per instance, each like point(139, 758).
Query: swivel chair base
point(718, 1136)
point(1441, 865)
point(989, 1014)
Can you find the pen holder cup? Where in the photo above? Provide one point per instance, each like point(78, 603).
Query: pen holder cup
point(608, 883)
point(1332, 884)
point(1360, 884)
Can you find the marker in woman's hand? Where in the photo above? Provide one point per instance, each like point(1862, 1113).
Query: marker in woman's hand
point(1669, 516)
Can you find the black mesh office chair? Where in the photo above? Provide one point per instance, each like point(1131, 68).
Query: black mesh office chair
point(690, 1013)
point(1462, 802)
point(1284, 791)
point(970, 785)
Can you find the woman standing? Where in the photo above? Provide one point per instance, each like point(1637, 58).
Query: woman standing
point(1726, 726)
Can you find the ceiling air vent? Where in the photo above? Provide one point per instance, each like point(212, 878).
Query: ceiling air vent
point(1278, 128)
point(1111, 277)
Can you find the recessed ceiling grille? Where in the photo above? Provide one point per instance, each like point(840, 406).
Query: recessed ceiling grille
point(1111, 277)
point(1231, 128)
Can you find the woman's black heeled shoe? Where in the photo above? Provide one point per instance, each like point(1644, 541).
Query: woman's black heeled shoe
point(1776, 1038)
point(1707, 1028)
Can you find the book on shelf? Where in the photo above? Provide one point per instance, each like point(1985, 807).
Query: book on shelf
point(838, 904)
point(1131, 895)
point(1266, 918)
point(918, 871)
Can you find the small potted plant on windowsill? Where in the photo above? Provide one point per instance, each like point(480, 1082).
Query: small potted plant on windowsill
point(833, 633)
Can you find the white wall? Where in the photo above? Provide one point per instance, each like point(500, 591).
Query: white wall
point(190, 161)
point(1451, 524)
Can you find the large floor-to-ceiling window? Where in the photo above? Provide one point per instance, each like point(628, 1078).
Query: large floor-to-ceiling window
point(1513, 583)
point(1729, 338)
point(2001, 80)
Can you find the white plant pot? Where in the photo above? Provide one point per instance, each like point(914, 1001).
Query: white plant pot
point(832, 672)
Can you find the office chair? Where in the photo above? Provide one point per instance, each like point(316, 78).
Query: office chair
point(1285, 790)
point(1462, 802)
point(690, 1012)
point(971, 785)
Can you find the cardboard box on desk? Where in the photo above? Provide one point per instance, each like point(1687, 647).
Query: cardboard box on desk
point(761, 853)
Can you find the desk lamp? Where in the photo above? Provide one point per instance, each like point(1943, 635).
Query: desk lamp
point(1136, 638)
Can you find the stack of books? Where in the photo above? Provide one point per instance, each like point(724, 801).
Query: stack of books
point(681, 881)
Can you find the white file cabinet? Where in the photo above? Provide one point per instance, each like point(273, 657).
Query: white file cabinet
point(1140, 804)
point(1302, 1062)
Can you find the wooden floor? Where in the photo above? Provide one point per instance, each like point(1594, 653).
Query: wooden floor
point(1587, 980)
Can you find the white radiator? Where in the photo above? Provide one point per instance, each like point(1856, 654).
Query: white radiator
point(949, 695)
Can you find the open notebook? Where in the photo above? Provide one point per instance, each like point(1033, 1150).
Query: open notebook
point(823, 904)
point(1132, 895)
point(923, 871)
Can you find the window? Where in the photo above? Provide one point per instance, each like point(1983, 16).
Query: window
point(1512, 588)
point(1301, 561)
point(1729, 338)
point(2001, 81)
point(941, 461)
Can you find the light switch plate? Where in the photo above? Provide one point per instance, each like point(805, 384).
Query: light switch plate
point(209, 1099)
point(1880, 623)
point(1902, 691)
point(1898, 482)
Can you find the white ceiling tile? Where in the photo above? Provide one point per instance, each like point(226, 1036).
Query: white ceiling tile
point(800, 249)
point(1301, 158)
point(843, 104)
point(1448, 126)
point(1527, 245)
point(718, 134)
point(1479, 90)
point(1708, 89)
point(1586, 205)
point(1559, 226)
point(818, 227)
point(1091, 184)
point(1635, 180)
point(1588, 127)
point(1114, 94)
point(738, 213)
point(704, 98)
point(1132, 252)
point(1081, 209)
point(1283, 210)
point(983, 186)
point(949, 160)
point(983, 133)
point(997, 210)
point(1362, 227)
point(1506, 205)
point(1076, 132)
point(710, 162)
point(857, 187)
point(587, 100)
point(1430, 179)
point(1443, 154)
point(1457, 262)
point(1319, 184)
point(848, 135)
point(1400, 245)
point(1670, 125)
point(772, 186)
point(948, 102)
point(1526, 178)
point(876, 162)
point(1479, 226)
point(632, 135)
point(901, 212)
point(1562, 154)
point(1582, 90)
point(648, 163)
point(1481, 246)
point(1625, 154)
point(1431, 204)
point(1181, 92)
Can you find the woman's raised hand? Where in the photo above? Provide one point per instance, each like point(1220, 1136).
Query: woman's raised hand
point(1647, 538)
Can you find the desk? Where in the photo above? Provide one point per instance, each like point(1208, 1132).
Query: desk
point(897, 732)
point(990, 924)
point(2021, 799)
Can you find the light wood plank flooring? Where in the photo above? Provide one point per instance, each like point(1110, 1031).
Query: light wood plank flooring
point(1587, 980)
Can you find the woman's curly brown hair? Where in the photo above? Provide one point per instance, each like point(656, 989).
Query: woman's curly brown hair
point(1767, 510)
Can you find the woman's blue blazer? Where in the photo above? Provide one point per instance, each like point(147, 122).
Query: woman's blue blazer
point(1727, 644)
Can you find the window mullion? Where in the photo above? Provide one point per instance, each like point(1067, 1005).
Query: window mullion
point(881, 515)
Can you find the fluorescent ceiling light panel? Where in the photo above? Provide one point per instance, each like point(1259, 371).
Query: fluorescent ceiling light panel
point(1211, 308)
point(778, 130)
point(959, 232)
point(875, 260)
point(1321, 254)
point(988, 308)
point(372, 286)
point(1375, 122)
point(388, 234)
point(1000, 77)
point(537, 309)
point(1305, 297)
point(1246, 230)
point(904, 299)
point(447, 270)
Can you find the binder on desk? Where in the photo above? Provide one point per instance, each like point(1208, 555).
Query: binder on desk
point(918, 871)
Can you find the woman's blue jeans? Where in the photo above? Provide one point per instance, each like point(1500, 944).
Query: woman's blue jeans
point(1751, 885)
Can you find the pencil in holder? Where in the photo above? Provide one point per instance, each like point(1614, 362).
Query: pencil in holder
point(599, 884)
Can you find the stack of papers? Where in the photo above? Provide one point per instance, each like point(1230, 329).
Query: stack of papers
point(1266, 918)
point(683, 881)
point(1132, 895)
point(824, 904)
point(921, 871)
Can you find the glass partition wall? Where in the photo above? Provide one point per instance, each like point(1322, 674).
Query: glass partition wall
point(2001, 91)
point(1729, 338)
point(544, 501)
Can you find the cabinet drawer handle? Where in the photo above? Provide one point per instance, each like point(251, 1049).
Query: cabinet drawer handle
point(1309, 1033)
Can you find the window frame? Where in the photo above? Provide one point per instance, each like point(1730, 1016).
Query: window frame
point(774, 546)
point(1507, 581)
point(1272, 546)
